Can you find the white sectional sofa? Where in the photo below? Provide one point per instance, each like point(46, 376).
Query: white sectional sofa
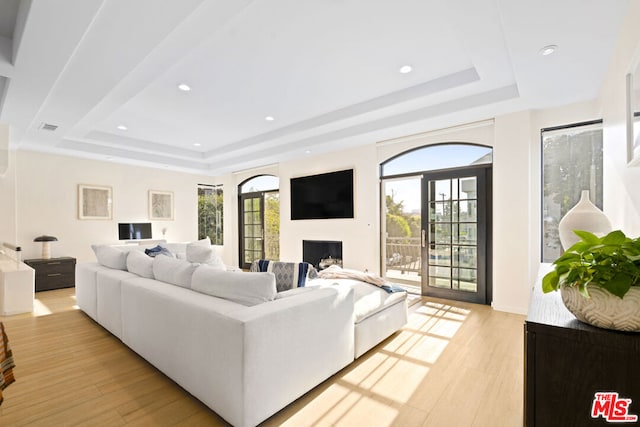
point(227, 337)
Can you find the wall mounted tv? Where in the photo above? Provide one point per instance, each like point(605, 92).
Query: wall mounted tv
point(323, 196)
point(134, 231)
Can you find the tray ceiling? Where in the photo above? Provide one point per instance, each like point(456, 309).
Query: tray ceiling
point(74, 74)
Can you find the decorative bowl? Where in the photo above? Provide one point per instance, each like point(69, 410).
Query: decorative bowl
point(604, 309)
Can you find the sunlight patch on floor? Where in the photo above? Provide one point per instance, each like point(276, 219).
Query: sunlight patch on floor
point(368, 411)
point(400, 381)
point(40, 309)
point(396, 371)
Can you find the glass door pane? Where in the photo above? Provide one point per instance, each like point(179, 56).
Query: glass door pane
point(272, 225)
point(402, 232)
point(454, 251)
point(252, 243)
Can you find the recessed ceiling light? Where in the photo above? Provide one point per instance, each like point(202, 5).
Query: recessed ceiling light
point(269, 118)
point(406, 69)
point(307, 151)
point(184, 87)
point(196, 144)
point(548, 50)
point(122, 127)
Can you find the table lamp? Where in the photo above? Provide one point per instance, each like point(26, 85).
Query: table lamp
point(46, 248)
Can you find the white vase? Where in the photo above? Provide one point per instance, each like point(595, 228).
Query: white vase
point(583, 216)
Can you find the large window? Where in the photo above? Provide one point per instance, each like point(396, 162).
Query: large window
point(210, 217)
point(571, 162)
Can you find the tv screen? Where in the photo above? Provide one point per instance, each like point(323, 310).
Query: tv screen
point(134, 231)
point(324, 196)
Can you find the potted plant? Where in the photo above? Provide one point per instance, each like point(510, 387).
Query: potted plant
point(599, 280)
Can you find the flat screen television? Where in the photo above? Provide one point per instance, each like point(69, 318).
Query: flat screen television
point(134, 231)
point(323, 196)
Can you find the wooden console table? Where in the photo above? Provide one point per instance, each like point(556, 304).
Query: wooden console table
point(53, 273)
point(567, 362)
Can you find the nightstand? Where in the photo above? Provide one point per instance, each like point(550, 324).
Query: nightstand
point(53, 273)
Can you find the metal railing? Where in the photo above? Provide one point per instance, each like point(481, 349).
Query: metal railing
point(403, 254)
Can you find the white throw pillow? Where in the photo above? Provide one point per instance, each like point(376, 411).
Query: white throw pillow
point(110, 257)
point(204, 255)
point(206, 242)
point(244, 288)
point(175, 271)
point(140, 264)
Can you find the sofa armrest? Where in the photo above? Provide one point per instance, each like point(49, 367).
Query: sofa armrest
point(293, 344)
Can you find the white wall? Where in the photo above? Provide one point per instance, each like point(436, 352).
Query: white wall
point(512, 213)
point(621, 183)
point(360, 236)
point(47, 202)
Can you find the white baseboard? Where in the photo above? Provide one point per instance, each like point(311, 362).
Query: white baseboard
point(510, 309)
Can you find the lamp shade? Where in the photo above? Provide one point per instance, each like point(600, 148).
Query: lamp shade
point(46, 250)
point(45, 238)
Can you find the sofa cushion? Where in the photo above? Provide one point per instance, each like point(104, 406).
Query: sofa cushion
point(368, 299)
point(289, 275)
point(140, 264)
point(180, 249)
point(110, 257)
point(295, 291)
point(177, 249)
point(244, 288)
point(175, 271)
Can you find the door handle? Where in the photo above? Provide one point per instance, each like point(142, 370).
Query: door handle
point(424, 239)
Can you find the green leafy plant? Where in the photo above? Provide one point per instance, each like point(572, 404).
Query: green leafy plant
point(611, 262)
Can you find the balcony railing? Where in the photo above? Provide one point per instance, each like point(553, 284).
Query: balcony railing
point(403, 254)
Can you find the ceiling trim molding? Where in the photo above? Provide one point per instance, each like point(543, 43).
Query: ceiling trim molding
point(497, 95)
point(430, 87)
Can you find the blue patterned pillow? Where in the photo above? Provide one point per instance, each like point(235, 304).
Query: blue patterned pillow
point(158, 250)
point(289, 275)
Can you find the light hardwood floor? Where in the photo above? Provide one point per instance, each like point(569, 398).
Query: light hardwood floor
point(454, 364)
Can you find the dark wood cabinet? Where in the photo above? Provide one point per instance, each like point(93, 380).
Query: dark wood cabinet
point(53, 273)
point(567, 362)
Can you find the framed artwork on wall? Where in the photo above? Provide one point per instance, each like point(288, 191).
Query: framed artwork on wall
point(161, 205)
point(94, 202)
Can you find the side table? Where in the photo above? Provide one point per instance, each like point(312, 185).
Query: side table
point(53, 273)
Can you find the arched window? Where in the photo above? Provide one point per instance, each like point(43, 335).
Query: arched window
point(260, 183)
point(259, 219)
point(436, 157)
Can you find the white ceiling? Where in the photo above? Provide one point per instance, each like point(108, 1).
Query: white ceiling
point(327, 71)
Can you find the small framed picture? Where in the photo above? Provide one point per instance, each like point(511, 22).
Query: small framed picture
point(94, 202)
point(161, 205)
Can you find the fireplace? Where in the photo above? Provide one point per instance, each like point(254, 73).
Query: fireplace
point(327, 251)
